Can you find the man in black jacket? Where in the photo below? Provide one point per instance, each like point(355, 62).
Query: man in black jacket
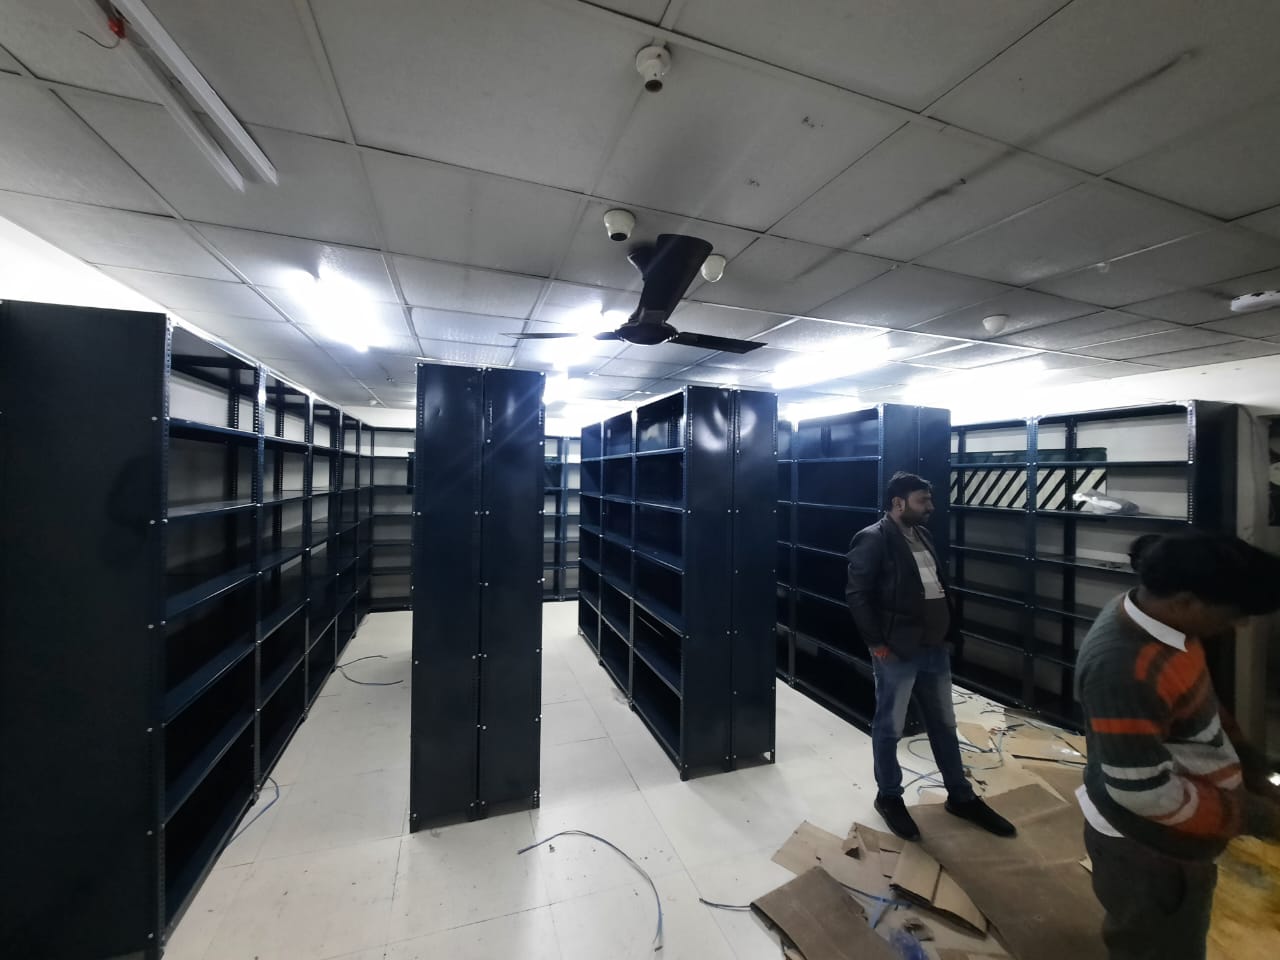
point(898, 597)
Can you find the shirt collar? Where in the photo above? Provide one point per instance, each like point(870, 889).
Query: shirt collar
point(1161, 631)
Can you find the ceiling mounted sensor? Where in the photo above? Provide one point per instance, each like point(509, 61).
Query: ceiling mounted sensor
point(668, 266)
point(995, 323)
point(170, 74)
point(653, 63)
point(619, 224)
point(1256, 301)
point(713, 268)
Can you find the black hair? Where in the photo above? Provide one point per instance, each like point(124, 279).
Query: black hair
point(903, 484)
point(1217, 568)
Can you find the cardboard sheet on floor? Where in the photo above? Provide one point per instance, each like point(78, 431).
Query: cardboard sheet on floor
point(810, 846)
point(825, 923)
point(1065, 779)
point(1031, 888)
point(920, 879)
point(1026, 747)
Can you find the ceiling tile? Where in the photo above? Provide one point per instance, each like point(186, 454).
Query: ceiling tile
point(257, 57)
point(884, 375)
point(321, 194)
point(789, 276)
point(192, 293)
point(882, 203)
point(575, 304)
point(115, 238)
point(717, 376)
point(1127, 347)
point(817, 336)
point(667, 353)
point(1083, 331)
point(466, 327)
point(1268, 222)
point(650, 10)
point(1111, 369)
point(724, 321)
point(594, 259)
point(1263, 324)
point(263, 339)
point(732, 144)
point(1074, 88)
point(1228, 170)
point(1025, 309)
point(968, 356)
point(575, 354)
point(862, 44)
point(386, 324)
point(596, 387)
point(474, 354)
point(908, 296)
point(1043, 363)
point(1195, 261)
point(766, 358)
point(1237, 350)
point(538, 99)
point(1186, 306)
point(446, 213)
point(49, 151)
point(1090, 224)
point(276, 261)
point(905, 345)
point(640, 369)
point(447, 286)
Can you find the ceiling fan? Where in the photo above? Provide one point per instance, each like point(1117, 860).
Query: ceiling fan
point(668, 266)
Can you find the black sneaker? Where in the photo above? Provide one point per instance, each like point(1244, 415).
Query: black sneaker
point(895, 815)
point(976, 811)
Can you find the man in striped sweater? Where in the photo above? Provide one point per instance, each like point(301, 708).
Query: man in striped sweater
point(1169, 780)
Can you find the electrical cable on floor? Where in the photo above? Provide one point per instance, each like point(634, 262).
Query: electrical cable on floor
point(657, 937)
point(367, 683)
point(723, 906)
point(269, 805)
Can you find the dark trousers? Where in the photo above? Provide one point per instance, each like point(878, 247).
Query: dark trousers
point(1157, 908)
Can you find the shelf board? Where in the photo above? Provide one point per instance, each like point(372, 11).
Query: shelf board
point(665, 671)
point(998, 511)
point(616, 540)
point(1082, 612)
point(822, 551)
point(284, 496)
point(281, 616)
point(1101, 566)
point(987, 553)
point(617, 456)
point(841, 603)
point(592, 565)
point(836, 460)
point(208, 508)
point(276, 558)
point(592, 528)
point(622, 630)
point(272, 683)
point(188, 691)
point(658, 505)
point(1116, 464)
point(831, 649)
point(389, 488)
point(179, 790)
point(663, 452)
point(392, 543)
point(984, 592)
point(195, 430)
point(842, 507)
point(991, 683)
point(668, 616)
point(990, 465)
point(181, 884)
point(615, 498)
point(397, 570)
point(618, 584)
point(299, 445)
point(662, 558)
point(1139, 518)
point(1005, 639)
point(204, 589)
point(667, 734)
point(834, 704)
point(385, 515)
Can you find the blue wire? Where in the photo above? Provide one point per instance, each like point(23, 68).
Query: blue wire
point(367, 683)
point(258, 814)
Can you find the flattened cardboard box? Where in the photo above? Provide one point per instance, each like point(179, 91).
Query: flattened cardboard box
point(811, 846)
point(823, 921)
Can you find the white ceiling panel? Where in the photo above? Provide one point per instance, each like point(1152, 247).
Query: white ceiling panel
point(50, 152)
point(1196, 261)
point(321, 193)
point(1090, 224)
point(904, 345)
point(276, 261)
point(101, 235)
point(447, 286)
point(1055, 363)
point(1263, 324)
point(717, 376)
point(908, 296)
point(538, 99)
point(884, 375)
point(1229, 170)
point(381, 369)
point(574, 304)
point(1187, 307)
point(1025, 309)
point(1135, 348)
point(44, 37)
point(650, 10)
point(545, 354)
point(918, 189)
point(1268, 222)
point(595, 259)
point(1073, 88)
point(256, 55)
point(640, 369)
point(596, 387)
point(479, 355)
point(467, 327)
point(818, 336)
point(667, 353)
point(447, 213)
point(788, 276)
point(195, 293)
point(863, 45)
point(1110, 369)
point(386, 324)
point(263, 339)
point(1237, 350)
point(1083, 331)
point(727, 143)
point(766, 358)
point(723, 321)
point(968, 356)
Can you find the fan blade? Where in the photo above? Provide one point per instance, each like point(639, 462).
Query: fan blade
point(540, 336)
point(668, 267)
point(608, 335)
point(708, 342)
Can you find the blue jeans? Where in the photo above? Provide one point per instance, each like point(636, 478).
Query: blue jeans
point(928, 673)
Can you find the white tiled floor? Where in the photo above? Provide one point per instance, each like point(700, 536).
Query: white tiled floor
point(331, 872)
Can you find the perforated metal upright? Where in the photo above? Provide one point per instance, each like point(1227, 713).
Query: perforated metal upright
point(477, 623)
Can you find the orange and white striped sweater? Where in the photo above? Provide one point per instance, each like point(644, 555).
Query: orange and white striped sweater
point(1162, 768)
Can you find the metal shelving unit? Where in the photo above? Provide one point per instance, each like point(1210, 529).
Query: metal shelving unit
point(1033, 571)
point(560, 514)
point(156, 590)
point(677, 501)
point(477, 625)
point(392, 508)
point(832, 474)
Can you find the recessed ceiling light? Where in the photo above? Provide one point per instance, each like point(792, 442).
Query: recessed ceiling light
point(995, 323)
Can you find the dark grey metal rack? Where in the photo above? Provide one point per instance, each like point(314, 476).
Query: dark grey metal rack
point(477, 624)
point(156, 589)
point(675, 555)
point(392, 512)
point(1032, 570)
point(560, 513)
point(832, 474)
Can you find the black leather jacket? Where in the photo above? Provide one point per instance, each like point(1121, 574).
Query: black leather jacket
point(884, 593)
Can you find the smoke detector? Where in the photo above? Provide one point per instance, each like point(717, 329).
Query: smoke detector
point(1256, 301)
point(652, 63)
point(995, 323)
point(713, 268)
